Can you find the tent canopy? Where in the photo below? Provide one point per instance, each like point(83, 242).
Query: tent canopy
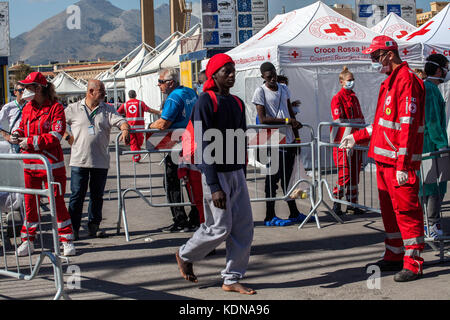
point(394, 26)
point(434, 35)
point(313, 35)
point(66, 85)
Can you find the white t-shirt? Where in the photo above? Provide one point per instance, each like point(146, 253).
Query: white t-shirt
point(276, 105)
point(8, 114)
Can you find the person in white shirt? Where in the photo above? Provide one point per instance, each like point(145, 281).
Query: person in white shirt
point(10, 115)
point(272, 101)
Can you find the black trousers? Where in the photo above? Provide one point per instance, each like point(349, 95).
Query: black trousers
point(283, 175)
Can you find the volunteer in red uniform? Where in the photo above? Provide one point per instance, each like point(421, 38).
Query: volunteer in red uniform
point(345, 108)
point(396, 144)
point(134, 111)
point(40, 132)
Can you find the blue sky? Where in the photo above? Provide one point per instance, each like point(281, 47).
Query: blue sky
point(26, 14)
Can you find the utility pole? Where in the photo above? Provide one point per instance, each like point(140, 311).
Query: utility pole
point(148, 22)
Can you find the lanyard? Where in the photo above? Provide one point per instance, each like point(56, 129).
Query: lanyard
point(92, 115)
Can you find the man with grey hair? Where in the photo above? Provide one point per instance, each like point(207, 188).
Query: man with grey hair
point(90, 121)
point(11, 114)
point(176, 112)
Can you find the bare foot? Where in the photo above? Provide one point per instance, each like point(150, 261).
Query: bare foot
point(186, 269)
point(237, 287)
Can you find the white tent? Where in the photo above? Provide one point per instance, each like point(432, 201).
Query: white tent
point(310, 46)
point(67, 86)
point(434, 36)
point(394, 26)
point(145, 79)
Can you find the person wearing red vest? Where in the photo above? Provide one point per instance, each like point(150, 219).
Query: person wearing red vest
point(345, 108)
point(134, 111)
point(396, 143)
point(40, 132)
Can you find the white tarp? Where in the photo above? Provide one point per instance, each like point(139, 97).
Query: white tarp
point(394, 26)
point(66, 85)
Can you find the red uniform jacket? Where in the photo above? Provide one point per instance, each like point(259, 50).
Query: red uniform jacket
point(134, 112)
point(396, 136)
point(44, 127)
point(345, 108)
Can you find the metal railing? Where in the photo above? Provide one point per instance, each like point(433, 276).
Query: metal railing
point(11, 171)
point(164, 144)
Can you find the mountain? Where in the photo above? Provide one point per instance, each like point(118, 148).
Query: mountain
point(106, 32)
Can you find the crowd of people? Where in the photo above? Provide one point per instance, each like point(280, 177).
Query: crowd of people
point(409, 111)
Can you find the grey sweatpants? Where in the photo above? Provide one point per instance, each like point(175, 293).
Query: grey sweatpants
point(233, 225)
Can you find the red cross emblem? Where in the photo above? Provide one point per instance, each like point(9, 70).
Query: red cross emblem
point(421, 32)
point(271, 30)
point(132, 109)
point(402, 34)
point(433, 52)
point(405, 52)
point(295, 54)
point(337, 30)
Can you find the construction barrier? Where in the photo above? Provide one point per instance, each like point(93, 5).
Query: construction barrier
point(161, 144)
point(11, 182)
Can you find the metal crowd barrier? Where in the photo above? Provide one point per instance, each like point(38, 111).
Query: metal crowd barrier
point(161, 143)
point(435, 169)
point(11, 181)
point(328, 174)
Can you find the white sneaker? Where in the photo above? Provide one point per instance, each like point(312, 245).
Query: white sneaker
point(69, 249)
point(436, 231)
point(25, 249)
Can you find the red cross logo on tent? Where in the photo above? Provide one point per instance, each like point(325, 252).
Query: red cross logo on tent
point(271, 30)
point(405, 52)
point(402, 34)
point(421, 32)
point(338, 30)
point(433, 52)
point(295, 54)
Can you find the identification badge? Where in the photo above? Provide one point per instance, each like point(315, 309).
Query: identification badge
point(91, 130)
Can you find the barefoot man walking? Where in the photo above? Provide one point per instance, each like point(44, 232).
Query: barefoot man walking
point(228, 213)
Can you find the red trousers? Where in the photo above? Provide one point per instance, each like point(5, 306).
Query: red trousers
point(31, 202)
point(402, 217)
point(136, 141)
point(348, 174)
point(195, 189)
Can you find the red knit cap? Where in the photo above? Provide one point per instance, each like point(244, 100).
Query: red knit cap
point(214, 65)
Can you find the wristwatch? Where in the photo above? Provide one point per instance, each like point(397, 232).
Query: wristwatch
point(67, 138)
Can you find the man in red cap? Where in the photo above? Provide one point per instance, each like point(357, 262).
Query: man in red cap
point(40, 132)
point(227, 209)
point(396, 144)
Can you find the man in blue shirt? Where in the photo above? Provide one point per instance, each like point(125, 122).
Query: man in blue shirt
point(176, 112)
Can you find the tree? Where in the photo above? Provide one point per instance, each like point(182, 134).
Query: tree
point(22, 72)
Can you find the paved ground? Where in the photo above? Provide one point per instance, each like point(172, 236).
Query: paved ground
point(286, 263)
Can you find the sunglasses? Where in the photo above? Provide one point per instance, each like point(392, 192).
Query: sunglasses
point(20, 90)
point(377, 59)
point(163, 81)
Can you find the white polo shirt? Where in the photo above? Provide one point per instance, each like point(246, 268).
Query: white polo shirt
point(90, 148)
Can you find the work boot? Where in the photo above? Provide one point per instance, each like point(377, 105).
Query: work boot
point(406, 275)
point(337, 209)
point(386, 265)
point(94, 231)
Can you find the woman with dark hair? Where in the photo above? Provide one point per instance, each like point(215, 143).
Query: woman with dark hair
point(40, 132)
point(435, 138)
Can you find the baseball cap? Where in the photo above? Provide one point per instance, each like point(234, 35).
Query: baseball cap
point(35, 78)
point(383, 43)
